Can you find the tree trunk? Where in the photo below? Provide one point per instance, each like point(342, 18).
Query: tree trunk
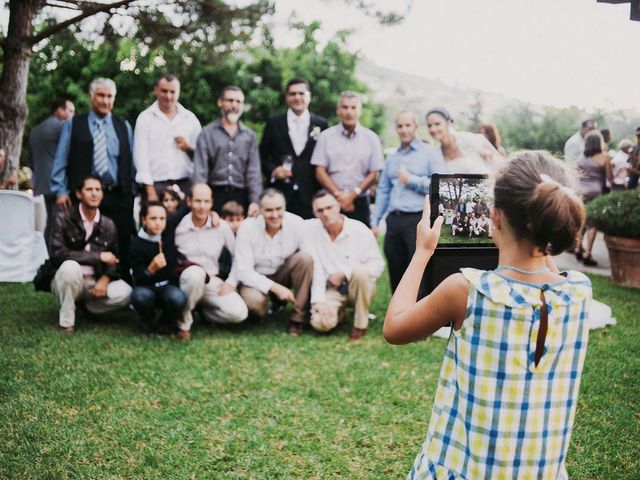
point(13, 83)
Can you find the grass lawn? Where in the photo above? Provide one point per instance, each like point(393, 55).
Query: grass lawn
point(251, 402)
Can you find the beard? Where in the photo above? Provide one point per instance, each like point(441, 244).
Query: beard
point(232, 117)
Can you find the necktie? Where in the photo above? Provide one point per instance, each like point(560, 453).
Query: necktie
point(100, 160)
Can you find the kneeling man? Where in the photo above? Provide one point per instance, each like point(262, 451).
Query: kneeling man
point(346, 264)
point(199, 245)
point(85, 245)
point(268, 259)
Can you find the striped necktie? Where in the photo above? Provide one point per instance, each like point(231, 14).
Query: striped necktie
point(100, 160)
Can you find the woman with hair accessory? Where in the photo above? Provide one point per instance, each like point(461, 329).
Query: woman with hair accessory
point(464, 152)
point(594, 166)
point(508, 389)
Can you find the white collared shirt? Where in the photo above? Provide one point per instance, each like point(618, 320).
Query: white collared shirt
point(573, 148)
point(354, 246)
point(155, 152)
point(298, 129)
point(258, 254)
point(88, 270)
point(203, 245)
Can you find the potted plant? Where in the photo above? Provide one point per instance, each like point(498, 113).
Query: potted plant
point(617, 215)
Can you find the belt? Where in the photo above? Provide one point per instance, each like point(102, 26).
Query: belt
point(228, 188)
point(398, 212)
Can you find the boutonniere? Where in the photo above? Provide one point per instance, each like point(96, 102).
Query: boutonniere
point(314, 133)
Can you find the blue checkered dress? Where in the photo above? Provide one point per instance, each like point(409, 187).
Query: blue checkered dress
point(496, 414)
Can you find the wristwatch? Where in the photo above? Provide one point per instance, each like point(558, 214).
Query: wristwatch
point(357, 190)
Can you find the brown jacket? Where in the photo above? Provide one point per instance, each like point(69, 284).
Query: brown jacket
point(67, 241)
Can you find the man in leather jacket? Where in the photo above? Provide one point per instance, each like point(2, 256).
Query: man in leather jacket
point(85, 245)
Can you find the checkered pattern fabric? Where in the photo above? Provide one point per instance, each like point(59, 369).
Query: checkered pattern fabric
point(497, 415)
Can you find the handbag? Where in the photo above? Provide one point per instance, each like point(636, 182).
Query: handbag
point(44, 275)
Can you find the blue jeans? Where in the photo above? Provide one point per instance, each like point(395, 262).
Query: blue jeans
point(168, 298)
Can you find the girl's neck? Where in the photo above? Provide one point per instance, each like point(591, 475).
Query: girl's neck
point(526, 263)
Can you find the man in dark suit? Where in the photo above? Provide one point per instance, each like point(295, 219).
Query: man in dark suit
point(286, 148)
point(99, 143)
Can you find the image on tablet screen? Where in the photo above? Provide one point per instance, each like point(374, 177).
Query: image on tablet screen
point(464, 204)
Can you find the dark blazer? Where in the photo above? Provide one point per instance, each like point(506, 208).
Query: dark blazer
point(67, 241)
point(276, 144)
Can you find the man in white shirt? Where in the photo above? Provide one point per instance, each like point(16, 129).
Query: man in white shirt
point(269, 260)
point(164, 139)
point(200, 243)
point(575, 145)
point(346, 265)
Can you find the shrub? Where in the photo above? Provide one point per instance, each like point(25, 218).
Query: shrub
point(617, 213)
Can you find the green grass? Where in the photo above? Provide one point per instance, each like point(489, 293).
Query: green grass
point(251, 402)
point(447, 238)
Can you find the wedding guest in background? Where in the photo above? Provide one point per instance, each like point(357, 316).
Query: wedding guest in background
point(43, 142)
point(348, 158)
point(594, 168)
point(164, 141)
point(619, 164)
point(575, 145)
point(463, 152)
point(491, 133)
point(346, 265)
point(404, 182)
point(154, 289)
point(226, 156)
point(84, 243)
point(287, 145)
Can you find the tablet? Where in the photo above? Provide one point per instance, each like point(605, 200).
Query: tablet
point(463, 200)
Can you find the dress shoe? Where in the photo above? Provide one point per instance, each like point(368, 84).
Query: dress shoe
point(588, 261)
point(357, 334)
point(294, 328)
point(66, 329)
point(183, 335)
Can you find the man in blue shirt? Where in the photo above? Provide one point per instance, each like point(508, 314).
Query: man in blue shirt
point(401, 190)
point(100, 144)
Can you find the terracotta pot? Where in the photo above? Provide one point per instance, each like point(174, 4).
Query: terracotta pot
point(624, 254)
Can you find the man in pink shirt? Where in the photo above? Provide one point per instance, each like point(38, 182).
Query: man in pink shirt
point(85, 245)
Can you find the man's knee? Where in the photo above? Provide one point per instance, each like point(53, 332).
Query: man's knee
point(119, 292)
point(360, 274)
point(256, 301)
point(192, 277)
point(235, 310)
point(174, 298)
point(69, 271)
point(302, 260)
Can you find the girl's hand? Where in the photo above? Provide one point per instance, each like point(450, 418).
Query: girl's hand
point(427, 237)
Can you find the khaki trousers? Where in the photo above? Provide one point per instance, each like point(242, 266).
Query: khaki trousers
point(362, 286)
point(229, 308)
point(295, 273)
point(69, 286)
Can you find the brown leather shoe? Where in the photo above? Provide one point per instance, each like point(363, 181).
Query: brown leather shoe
point(357, 334)
point(183, 335)
point(66, 329)
point(294, 328)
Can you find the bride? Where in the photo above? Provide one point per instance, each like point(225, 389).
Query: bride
point(464, 152)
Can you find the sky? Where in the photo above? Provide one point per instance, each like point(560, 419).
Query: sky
point(548, 52)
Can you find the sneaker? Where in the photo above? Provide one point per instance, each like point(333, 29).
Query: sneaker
point(294, 328)
point(357, 333)
point(66, 329)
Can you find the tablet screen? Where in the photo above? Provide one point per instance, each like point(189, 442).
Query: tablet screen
point(463, 200)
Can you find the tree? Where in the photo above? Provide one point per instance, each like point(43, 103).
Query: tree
point(67, 65)
point(213, 24)
point(210, 29)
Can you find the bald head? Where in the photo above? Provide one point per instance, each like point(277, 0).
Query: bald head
point(406, 127)
point(201, 203)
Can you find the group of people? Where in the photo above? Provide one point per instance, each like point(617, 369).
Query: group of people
point(169, 153)
point(601, 170)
